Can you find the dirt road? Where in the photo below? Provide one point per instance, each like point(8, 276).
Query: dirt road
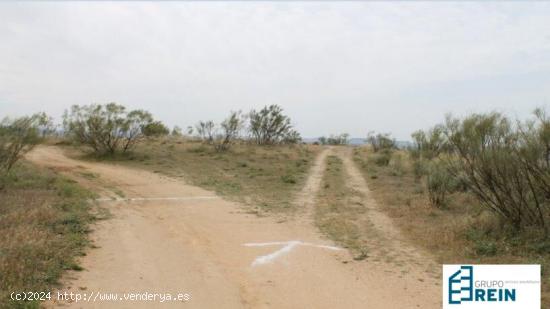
point(178, 238)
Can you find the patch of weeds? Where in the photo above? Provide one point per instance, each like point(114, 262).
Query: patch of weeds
point(45, 223)
point(89, 175)
point(361, 255)
point(485, 248)
point(288, 179)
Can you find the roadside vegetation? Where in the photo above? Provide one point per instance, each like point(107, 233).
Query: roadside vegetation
point(43, 216)
point(479, 183)
point(253, 157)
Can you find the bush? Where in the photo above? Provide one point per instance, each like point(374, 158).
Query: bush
point(396, 164)
point(154, 129)
point(206, 130)
point(382, 158)
point(342, 139)
point(428, 145)
point(438, 184)
point(505, 164)
point(107, 129)
point(270, 126)
point(290, 179)
point(17, 137)
point(380, 142)
point(419, 168)
point(230, 131)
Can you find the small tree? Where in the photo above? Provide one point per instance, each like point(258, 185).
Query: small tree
point(155, 129)
point(176, 131)
point(17, 137)
point(292, 137)
point(106, 128)
point(206, 130)
point(230, 129)
point(269, 125)
point(428, 145)
point(45, 123)
point(380, 141)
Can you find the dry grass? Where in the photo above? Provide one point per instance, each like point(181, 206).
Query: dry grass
point(44, 224)
point(266, 177)
point(338, 210)
point(466, 233)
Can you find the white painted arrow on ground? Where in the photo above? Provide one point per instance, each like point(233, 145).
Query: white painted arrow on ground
point(287, 247)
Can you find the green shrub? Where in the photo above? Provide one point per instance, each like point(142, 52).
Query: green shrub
point(419, 168)
point(396, 164)
point(17, 137)
point(382, 158)
point(109, 128)
point(288, 179)
point(438, 183)
point(380, 141)
point(485, 248)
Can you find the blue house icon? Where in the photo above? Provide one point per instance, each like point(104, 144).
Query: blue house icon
point(461, 285)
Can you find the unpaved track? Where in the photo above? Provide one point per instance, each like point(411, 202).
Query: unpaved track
point(196, 246)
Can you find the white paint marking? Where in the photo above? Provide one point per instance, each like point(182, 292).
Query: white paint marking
point(183, 198)
point(287, 247)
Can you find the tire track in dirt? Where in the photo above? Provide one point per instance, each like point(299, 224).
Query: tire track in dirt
point(305, 200)
point(385, 243)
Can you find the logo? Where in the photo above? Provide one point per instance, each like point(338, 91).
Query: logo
point(491, 286)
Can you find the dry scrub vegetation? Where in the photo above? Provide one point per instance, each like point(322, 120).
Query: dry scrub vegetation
point(265, 177)
point(461, 230)
point(44, 225)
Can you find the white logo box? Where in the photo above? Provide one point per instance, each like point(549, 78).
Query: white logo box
point(470, 286)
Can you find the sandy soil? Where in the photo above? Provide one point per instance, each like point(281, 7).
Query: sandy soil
point(195, 245)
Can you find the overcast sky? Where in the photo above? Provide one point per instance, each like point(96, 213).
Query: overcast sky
point(334, 67)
